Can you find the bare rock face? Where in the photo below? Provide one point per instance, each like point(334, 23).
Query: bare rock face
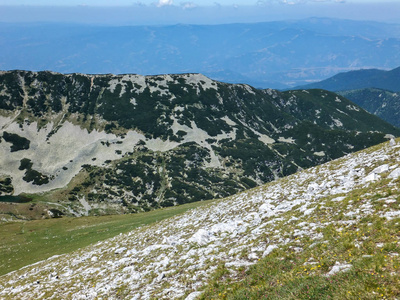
point(127, 143)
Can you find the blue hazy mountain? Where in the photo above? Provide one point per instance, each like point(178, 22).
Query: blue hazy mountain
point(273, 54)
point(360, 79)
point(374, 90)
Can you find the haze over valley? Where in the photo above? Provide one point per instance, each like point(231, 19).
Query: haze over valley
point(265, 55)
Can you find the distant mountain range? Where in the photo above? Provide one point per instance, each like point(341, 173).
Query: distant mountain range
point(105, 143)
point(266, 55)
point(359, 79)
point(374, 90)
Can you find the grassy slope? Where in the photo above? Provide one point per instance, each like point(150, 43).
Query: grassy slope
point(24, 243)
point(369, 245)
point(287, 274)
point(359, 231)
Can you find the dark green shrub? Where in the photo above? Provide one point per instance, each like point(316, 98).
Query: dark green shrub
point(18, 142)
point(26, 164)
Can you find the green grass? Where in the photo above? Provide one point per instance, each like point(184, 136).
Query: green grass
point(298, 270)
point(286, 275)
point(27, 242)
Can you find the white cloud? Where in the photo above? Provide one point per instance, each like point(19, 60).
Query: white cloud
point(188, 5)
point(164, 3)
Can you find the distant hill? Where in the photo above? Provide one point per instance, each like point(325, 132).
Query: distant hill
point(384, 104)
point(101, 144)
point(264, 55)
point(359, 79)
point(372, 89)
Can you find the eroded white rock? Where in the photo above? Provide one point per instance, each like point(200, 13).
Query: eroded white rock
point(395, 173)
point(338, 267)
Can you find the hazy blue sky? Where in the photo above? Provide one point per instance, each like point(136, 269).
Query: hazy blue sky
point(145, 12)
point(171, 2)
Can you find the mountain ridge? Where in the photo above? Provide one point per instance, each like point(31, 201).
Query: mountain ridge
point(143, 142)
point(382, 103)
point(360, 79)
point(374, 90)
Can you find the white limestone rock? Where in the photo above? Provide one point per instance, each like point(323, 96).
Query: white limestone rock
point(395, 174)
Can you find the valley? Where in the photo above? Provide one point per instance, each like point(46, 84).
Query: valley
point(274, 54)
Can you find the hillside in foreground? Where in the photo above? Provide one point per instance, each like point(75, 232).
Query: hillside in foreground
point(331, 231)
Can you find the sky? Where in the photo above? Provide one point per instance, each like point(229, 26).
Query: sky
point(170, 2)
point(162, 12)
